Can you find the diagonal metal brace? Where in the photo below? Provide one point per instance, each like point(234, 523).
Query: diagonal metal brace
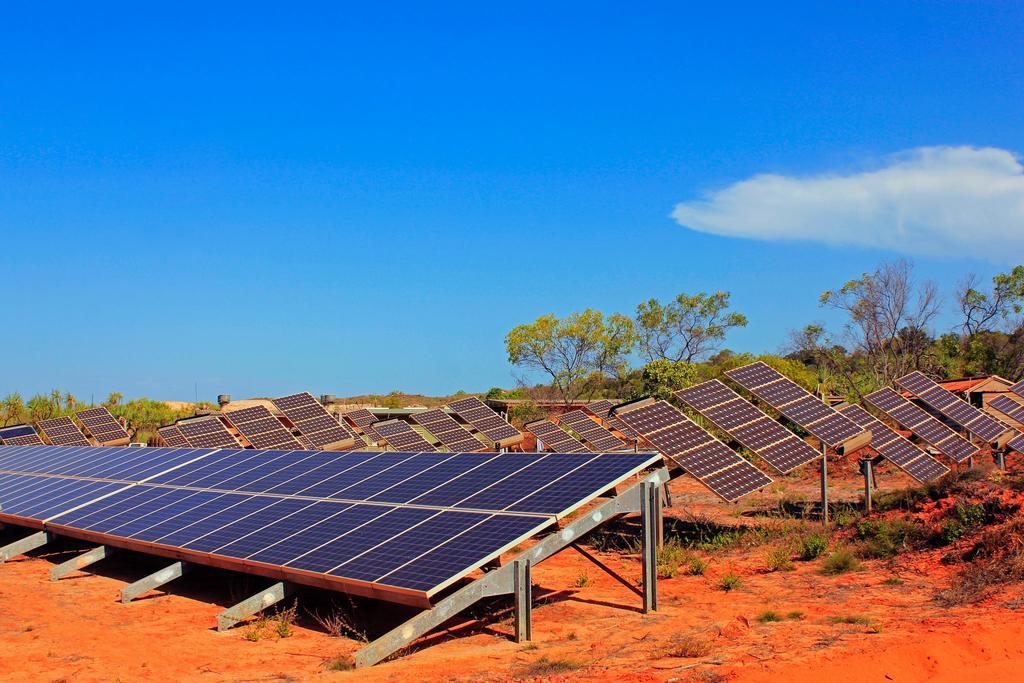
point(257, 603)
point(154, 580)
point(80, 562)
point(19, 547)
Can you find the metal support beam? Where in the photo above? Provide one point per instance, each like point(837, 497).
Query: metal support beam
point(36, 540)
point(524, 601)
point(80, 562)
point(824, 484)
point(868, 479)
point(650, 512)
point(154, 581)
point(502, 581)
point(254, 605)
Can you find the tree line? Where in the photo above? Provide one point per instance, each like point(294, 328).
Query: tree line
point(888, 320)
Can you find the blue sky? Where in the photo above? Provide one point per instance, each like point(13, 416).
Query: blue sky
point(359, 199)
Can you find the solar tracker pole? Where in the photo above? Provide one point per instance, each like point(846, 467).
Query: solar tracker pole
point(868, 477)
point(649, 509)
point(523, 588)
point(1001, 459)
point(824, 484)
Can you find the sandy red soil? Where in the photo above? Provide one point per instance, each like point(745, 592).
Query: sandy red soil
point(77, 630)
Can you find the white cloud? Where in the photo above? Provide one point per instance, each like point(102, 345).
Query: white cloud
point(942, 201)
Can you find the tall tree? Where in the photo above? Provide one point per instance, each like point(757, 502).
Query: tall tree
point(577, 352)
point(686, 329)
point(984, 312)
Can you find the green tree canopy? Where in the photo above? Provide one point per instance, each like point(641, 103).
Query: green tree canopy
point(688, 328)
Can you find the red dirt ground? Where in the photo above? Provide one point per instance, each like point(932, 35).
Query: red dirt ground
point(76, 630)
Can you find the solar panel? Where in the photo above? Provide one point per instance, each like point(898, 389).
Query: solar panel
point(447, 431)
point(959, 411)
point(930, 430)
point(172, 436)
point(363, 419)
point(754, 430)
point(401, 437)
point(315, 423)
point(464, 510)
point(593, 434)
point(555, 439)
point(207, 432)
point(600, 408)
point(1018, 388)
point(797, 404)
point(103, 426)
point(486, 421)
point(260, 428)
point(20, 435)
point(62, 431)
point(1008, 407)
point(703, 456)
point(895, 448)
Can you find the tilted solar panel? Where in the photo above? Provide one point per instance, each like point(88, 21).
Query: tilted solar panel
point(172, 436)
point(207, 432)
point(315, 423)
point(600, 408)
point(954, 408)
point(1018, 388)
point(448, 432)
point(895, 448)
point(401, 437)
point(102, 426)
point(1008, 407)
point(486, 421)
point(703, 456)
point(62, 431)
point(754, 430)
point(19, 435)
point(930, 430)
point(261, 429)
point(555, 439)
point(363, 419)
point(798, 405)
point(597, 437)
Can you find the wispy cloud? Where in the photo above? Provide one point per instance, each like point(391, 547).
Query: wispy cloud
point(941, 201)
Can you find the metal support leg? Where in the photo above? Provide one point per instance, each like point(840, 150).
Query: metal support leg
point(970, 463)
point(154, 581)
point(254, 605)
point(524, 601)
point(824, 484)
point(868, 477)
point(80, 562)
point(649, 513)
point(36, 540)
point(1001, 461)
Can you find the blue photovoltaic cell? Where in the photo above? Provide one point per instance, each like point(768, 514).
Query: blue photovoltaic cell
point(281, 527)
point(517, 486)
point(399, 472)
point(126, 520)
point(244, 478)
point(26, 489)
point(302, 532)
point(454, 558)
point(586, 482)
point(36, 497)
point(433, 477)
point(474, 480)
point(82, 519)
point(340, 465)
point(85, 492)
point(235, 505)
point(239, 466)
point(183, 513)
point(216, 462)
point(336, 486)
point(272, 510)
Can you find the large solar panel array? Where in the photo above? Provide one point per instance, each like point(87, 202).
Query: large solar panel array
point(207, 432)
point(486, 421)
point(703, 456)
point(1015, 411)
point(959, 411)
point(555, 439)
point(402, 437)
point(315, 423)
point(738, 418)
point(172, 436)
point(102, 426)
point(62, 431)
point(364, 420)
point(930, 430)
point(19, 435)
point(594, 435)
point(796, 403)
point(260, 428)
point(447, 431)
point(398, 526)
point(896, 448)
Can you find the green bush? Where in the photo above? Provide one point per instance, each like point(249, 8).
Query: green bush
point(886, 538)
point(778, 559)
point(840, 562)
point(769, 616)
point(813, 546)
point(730, 581)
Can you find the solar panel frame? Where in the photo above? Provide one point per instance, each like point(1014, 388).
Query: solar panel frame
point(363, 420)
point(172, 436)
point(62, 431)
point(952, 407)
point(1018, 388)
point(1008, 407)
point(20, 435)
point(102, 426)
point(600, 408)
point(930, 430)
point(448, 431)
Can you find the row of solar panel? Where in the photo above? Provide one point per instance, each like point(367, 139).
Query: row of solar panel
point(62, 430)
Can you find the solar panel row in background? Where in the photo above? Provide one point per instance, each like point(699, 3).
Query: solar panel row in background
point(555, 439)
point(486, 421)
point(959, 411)
point(363, 419)
point(401, 437)
point(102, 426)
point(796, 403)
point(703, 456)
point(315, 423)
point(597, 437)
point(172, 436)
point(930, 430)
point(20, 435)
point(260, 428)
point(1015, 411)
point(97, 462)
point(447, 431)
point(62, 431)
point(207, 432)
point(895, 448)
point(1018, 388)
point(602, 409)
point(754, 430)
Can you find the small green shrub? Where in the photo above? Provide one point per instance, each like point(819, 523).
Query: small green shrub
point(778, 559)
point(885, 538)
point(812, 546)
point(583, 580)
point(696, 566)
point(688, 646)
point(851, 619)
point(795, 615)
point(340, 663)
point(769, 616)
point(545, 667)
point(840, 562)
point(730, 581)
point(893, 581)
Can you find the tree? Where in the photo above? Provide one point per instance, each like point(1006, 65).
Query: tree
point(687, 329)
point(661, 377)
point(12, 410)
point(982, 312)
point(577, 352)
point(889, 315)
